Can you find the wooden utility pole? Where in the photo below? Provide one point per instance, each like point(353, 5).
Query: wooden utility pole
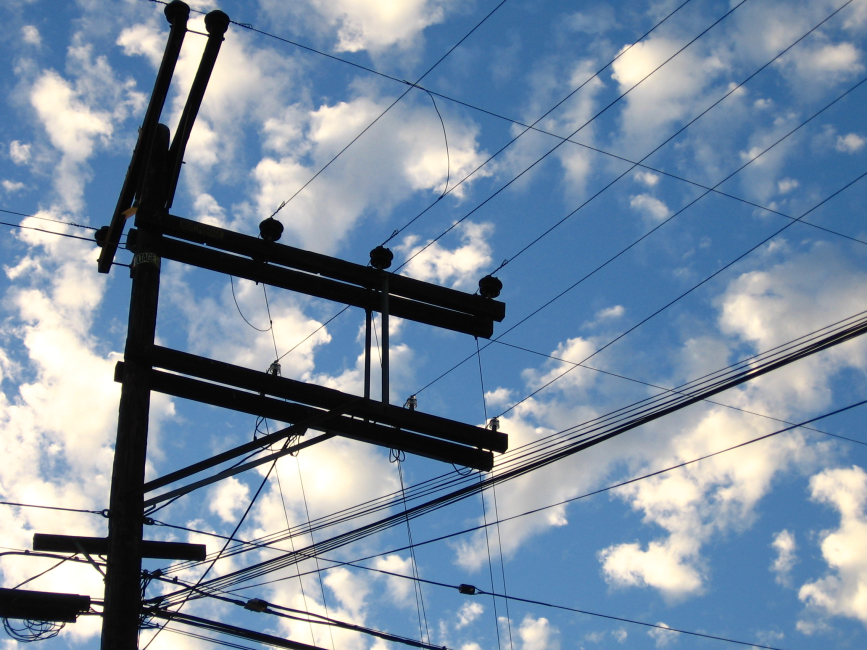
point(125, 524)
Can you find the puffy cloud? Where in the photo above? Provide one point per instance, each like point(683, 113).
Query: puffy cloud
point(468, 613)
point(369, 24)
point(662, 638)
point(538, 634)
point(785, 546)
point(646, 178)
point(842, 591)
point(228, 499)
point(850, 143)
point(12, 186)
point(19, 153)
point(461, 267)
point(400, 590)
point(786, 185)
point(30, 35)
point(652, 208)
point(383, 167)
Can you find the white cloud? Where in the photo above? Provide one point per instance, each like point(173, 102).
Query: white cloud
point(228, 499)
point(30, 35)
point(400, 590)
point(369, 24)
point(662, 638)
point(646, 178)
point(19, 153)
point(842, 591)
point(850, 143)
point(620, 635)
point(538, 634)
point(468, 613)
point(786, 185)
point(785, 546)
point(651, 207)
point(11, 186)
point(610, 313)
point(460, 267)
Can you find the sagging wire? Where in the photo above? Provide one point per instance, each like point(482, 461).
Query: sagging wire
point(494, 425)
point(238, 307)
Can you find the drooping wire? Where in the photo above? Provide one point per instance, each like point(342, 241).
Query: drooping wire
point(292, 541)
point(688, 291)
point(390, 106)
point(225, 546)
point(313, 544)
point(238, 307)
point(580, 437)
point(448, 157)
point(539, 119)
point(313, 332)
point(496, 509)
point(490, 563)
point(672, 390)
point(502, 188)
point(650, 232)
point(398, 457)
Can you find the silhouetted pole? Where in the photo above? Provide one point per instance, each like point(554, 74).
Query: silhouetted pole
point(122, 610)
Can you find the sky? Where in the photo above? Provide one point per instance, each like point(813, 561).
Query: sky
point(688, 198)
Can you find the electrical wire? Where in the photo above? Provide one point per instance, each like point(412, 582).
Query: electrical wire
point(654, 229)
point(580, 437)
point(496, 193)
point(50, 232)
point(672, 390)
point(240, 313)
point(390, 106)
point(104, 513)
point(759, 363)
point(33, 216)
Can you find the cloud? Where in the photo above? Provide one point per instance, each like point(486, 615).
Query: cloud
point(850, 143)
point(369, 24)
point(30, 35)
point(383, 168)
point(786, 185)
point(785, 546)
point(468, 613)
point(460, 267)
point(19, 153)
point(12, 186)
point(649, 206)
point(841, 591)
point(662, 638)
point(538, 634)
point(228, 499)
point(646, 178)
point(610, 313)
point(400, 590)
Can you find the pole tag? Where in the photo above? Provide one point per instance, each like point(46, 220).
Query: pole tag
point(146, 258)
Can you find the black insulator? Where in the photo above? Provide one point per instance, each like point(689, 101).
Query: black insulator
point(100, 236)
point(381, 257)
point(216, 22)
point(176, 10)
point(490, 287)
point(469, 590)
point(270, 229)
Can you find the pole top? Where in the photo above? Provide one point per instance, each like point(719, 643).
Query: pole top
point(217, 22)
point(381, 258)
point(177, 10)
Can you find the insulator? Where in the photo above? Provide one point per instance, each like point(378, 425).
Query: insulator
point(411, 403)
point(100, 236)
point(381, 257)
point(270, 229)
point(176, 10)
point(490, 287)
point(274, 369)
point(468, 590)
point(495, 424)
point(216, 22)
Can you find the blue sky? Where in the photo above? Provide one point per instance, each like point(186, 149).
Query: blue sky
point(764, 544)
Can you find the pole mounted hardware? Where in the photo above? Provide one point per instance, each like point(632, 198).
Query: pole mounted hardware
point(42, 605)
point(146, 197)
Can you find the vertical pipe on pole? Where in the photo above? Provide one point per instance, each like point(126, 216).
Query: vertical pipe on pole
point(385, 395)
point(367, 324)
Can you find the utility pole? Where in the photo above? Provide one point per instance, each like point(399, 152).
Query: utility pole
point(147, 194)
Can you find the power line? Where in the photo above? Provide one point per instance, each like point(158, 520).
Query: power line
point(104, 513)
point(650, 232)
point(572, 440)
point(390, 106)
point(33, 216)
point(559, 144)
point(50, 232)
point(672, 390)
